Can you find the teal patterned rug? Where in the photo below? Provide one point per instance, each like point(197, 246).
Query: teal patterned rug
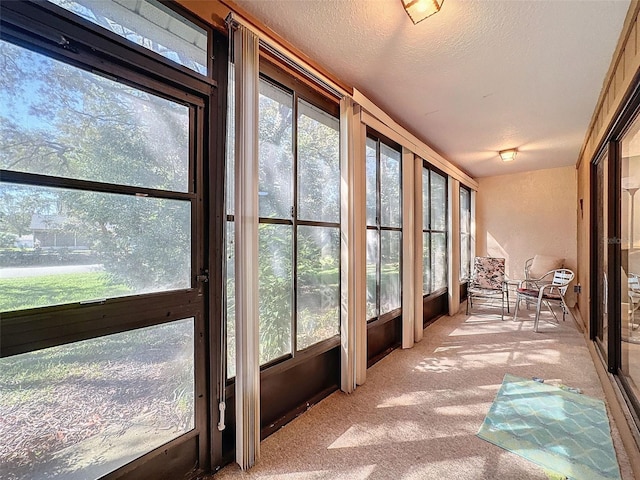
point(561, 431)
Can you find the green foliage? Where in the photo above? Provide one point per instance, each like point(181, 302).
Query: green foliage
point(88, 127)
point(7, 239)
point(29, 376)
point(31, 292)
point(275, 290)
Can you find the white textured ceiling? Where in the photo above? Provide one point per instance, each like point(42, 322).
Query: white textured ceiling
point(475, 78)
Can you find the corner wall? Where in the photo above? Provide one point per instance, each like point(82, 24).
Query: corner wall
point(524, 214)
point(624, 68)
point(625, 65)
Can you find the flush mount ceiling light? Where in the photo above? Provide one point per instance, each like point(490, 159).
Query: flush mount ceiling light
point(508, 155)
point(418, 10)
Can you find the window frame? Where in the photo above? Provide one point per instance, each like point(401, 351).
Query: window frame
point(154, 61)
point(426, 166)
point(38, 28)
point(468, 209)
point(112, 315)
point(380, 139)
point(300, 90)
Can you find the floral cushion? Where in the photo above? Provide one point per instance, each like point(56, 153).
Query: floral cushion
point(488, 272)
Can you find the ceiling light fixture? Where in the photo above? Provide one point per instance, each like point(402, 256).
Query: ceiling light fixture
point(418, 10)
point(508, 155)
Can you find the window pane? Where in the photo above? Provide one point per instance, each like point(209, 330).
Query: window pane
point(230, 168)
point(275, 152)
point(275, 280)
point(372, 277)
point(56, 119)
point(372, 188)
point(425, 200)
point(390, 286)
point(390, 182)
point(231, 301)
point(85, 409)
point(63, 246)
point(318, 284)
point(465, 234)
point(426, 263)
point(318, 165)
point(438, 202)
point(465, 211)
point(150, 24)
point(465, 257)
point(439, 260)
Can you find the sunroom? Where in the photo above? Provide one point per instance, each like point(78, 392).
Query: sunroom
point(216, 216)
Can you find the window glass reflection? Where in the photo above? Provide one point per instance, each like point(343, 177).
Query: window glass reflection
point(80, 245)
point(318, 302)
point(67, 411)
point(275, 284)
point(318, 165)
point(275, 147)
point(630, 258)
point(150, 24)
point(59, 120)
point(390, 293)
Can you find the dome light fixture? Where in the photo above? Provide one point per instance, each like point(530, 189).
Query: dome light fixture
point(508, 155)
point(418, 10)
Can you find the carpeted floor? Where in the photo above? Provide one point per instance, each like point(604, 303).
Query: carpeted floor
point(417, 415)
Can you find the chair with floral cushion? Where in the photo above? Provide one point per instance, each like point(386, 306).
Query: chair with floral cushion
point(549, 288)
point(487, 281)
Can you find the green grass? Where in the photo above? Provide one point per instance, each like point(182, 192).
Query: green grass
point(30, 292)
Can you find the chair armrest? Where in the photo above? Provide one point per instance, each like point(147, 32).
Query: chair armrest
point(533, 283)
point(549, 289)
point(550, 273)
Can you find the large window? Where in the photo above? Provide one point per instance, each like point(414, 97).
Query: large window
point(150, 24)
point(67, 410)
point(384, 227)
point(434, 230)
point(299, 224)
point(102, 144)
point(465, 234)
point(101, 243)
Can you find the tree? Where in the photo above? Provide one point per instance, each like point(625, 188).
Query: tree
point(63, 121)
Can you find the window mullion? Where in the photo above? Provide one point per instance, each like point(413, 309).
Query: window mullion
point(294, 219)
point(379, 228)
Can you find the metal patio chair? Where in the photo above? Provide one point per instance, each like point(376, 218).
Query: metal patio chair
point(487, 281)
point(546, 290)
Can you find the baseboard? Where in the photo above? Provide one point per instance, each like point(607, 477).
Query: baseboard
point(619, 410)
point(579, 321)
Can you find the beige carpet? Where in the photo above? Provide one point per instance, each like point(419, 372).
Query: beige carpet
point(417, 415)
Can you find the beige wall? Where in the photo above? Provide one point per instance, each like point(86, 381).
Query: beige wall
point(624, 65)
point(521, 215)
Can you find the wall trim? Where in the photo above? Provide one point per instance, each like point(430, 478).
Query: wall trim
point(618, 409)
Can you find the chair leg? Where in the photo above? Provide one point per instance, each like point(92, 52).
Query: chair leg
point(507, 291)
point(539, 307)
point(502, 311)
point(552, 312)
point(515, 310)
point(468, 302)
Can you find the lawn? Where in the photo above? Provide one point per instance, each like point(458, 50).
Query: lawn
point(64, 408)
point(30, 292)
